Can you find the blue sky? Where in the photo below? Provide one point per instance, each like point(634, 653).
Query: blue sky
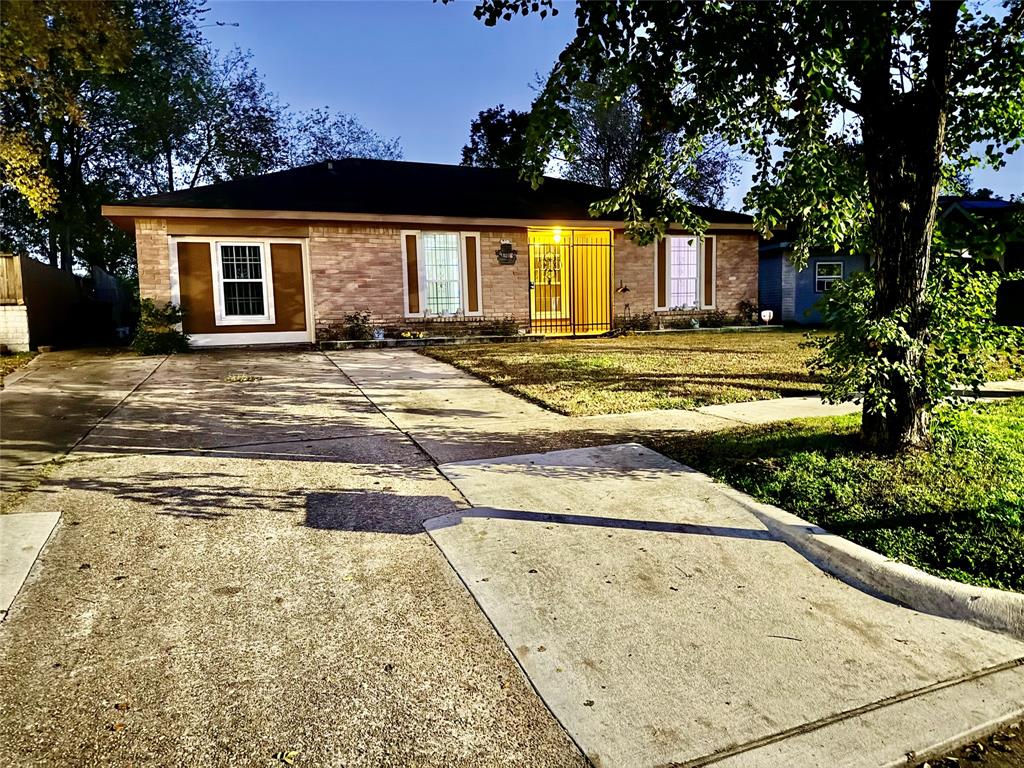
point(418, 70)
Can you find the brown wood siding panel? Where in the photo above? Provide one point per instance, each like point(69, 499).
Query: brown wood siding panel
point(662, 268)
point(236, 228)
point(709, 270)
point(412, 274)
point(472, 294)
point(289, 295)
point(195, 277)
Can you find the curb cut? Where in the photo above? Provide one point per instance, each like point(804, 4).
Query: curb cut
point(992, 609)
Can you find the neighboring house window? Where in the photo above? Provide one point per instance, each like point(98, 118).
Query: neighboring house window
point(442, 266)
point(826, 273)
point(242, 275)
point(683, 268)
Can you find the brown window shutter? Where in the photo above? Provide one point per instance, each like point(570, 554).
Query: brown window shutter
point(662, 270)
point(709, 271)
point(472, 294)
point(412, 274)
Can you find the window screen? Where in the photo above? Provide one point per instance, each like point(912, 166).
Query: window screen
point(442, 260)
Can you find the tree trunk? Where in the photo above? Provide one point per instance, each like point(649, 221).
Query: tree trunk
point(904, 135)
point(169, 166)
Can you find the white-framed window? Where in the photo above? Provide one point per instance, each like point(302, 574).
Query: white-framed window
point(442, 272)
point(826, 273)
point(242, 284)
point(445, 273)
point(690, 267)
point(683, 272)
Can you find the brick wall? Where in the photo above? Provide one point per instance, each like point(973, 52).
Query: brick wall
point(153, 252)
point(737, 271)
point(14, 327)
point(358, 268)
point(634, 267)
point(736, 275)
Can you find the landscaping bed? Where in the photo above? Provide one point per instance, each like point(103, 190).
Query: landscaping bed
point(580, 377)
point(956, 510)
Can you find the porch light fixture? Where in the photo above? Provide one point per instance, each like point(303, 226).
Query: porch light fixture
point(557, 236)
point(506, 253)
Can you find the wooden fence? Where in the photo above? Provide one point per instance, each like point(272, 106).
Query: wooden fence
point(10, 280)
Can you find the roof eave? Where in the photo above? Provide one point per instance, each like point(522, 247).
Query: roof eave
point(123, 215)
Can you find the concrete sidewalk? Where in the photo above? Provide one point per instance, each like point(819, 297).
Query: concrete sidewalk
point(663, 624)
point(45, 410)
point(658, 618)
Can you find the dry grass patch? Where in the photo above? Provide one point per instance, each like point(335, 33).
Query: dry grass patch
point(582, 377)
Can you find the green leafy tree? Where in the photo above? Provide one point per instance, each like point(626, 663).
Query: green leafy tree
point(796, 85)
point(48, 49)
point(497, 138)
point(606, 150)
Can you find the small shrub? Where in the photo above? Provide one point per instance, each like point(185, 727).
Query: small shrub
point(156, 334)
point(506, 326)
point(356, 326)
point(748, 313)
point(641, 321)
point(716, 318)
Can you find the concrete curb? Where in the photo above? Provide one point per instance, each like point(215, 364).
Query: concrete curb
point(992, 609)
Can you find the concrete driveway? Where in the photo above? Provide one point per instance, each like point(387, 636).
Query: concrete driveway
point(240, 570)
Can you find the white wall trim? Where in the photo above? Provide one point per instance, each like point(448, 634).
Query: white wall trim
point(405, 273)
point(172, 268)
point(307, 278)
point(236, 339)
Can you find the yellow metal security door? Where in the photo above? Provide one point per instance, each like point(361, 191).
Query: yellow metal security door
point(570, 281)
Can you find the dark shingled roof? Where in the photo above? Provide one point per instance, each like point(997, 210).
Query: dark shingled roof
point(391, 187)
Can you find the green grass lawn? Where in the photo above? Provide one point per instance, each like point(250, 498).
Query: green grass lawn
point(581, 377)
point(956, 511)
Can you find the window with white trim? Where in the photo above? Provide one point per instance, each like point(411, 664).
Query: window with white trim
point(242, 284)
point(442, 272)
point(683, 271)
point(826, 273)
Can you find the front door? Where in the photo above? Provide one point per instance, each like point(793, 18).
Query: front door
point(570, 281)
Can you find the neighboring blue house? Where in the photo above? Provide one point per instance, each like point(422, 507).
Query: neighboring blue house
point(793, 294)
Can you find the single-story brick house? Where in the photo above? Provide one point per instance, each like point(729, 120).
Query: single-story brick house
point(275, 258)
